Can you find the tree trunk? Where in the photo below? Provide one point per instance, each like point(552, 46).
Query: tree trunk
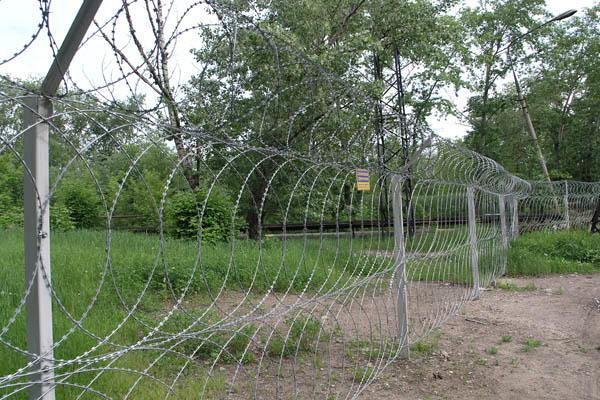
point(254, 223)
point(594, 224)
point(253, 218)
point(174, 118)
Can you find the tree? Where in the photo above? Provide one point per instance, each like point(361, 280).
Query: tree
point(560, 81)
point(491, 25)
point(293, 78)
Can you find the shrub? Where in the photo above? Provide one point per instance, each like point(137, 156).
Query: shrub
point(83, 204)
point(60, 218)
point(190, 212)
point(11, 215)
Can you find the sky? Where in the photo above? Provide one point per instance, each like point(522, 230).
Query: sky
point(94, 63)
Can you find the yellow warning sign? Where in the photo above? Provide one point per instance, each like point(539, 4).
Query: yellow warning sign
point(363, 181)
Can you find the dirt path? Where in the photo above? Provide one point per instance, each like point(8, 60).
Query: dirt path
point(562, 313)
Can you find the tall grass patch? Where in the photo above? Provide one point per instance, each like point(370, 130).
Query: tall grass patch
point(542, 253)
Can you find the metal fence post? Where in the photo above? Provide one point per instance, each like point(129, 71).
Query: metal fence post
point(400, 263)
point(514, 223)
point(503, 230)
point(473, 240)
point(566, 201)
point(37, 246)
point(36, 204)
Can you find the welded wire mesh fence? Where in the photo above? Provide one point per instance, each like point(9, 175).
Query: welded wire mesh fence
point(262, 271)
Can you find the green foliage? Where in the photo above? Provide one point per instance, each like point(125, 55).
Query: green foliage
point(560, 81)
point(11, 195)
point(209, 215)
point(82, 202)
point(11, 180)
point(79, 259)
point(541, 253)
point(530, 344)
point(60, 218)
point(504, 285)
point(227, 346)
point(429, 345)
point(302, 336)
point(423, 347)
point(10, 216)
point(506, 338)
point(362, 374)
point(557, 175)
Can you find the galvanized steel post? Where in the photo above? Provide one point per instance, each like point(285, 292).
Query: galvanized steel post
point(400, 264)
point(473, 240)
point(36, 209)
point(503, 230)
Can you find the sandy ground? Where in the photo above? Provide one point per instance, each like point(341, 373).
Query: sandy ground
point(563, 313)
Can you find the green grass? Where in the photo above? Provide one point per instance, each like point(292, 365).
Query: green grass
point(144, 279)
point(428, 346)
point(492, 350)
point(145, 275)
point(506, 339)
point(504, 285)
point(530, 344)
point(301, 336)
point(363, 374)
point(450, 261)
point(138, 259)
point(373, 351)
point(436, 239)
point(542, 253)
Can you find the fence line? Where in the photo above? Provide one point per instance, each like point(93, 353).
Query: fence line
point(210, 305)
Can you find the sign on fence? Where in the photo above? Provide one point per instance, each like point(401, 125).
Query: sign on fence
point(363, 181)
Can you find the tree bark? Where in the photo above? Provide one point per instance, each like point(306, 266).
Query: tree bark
point(594, 224)
point(174, 118)
point(254, 216)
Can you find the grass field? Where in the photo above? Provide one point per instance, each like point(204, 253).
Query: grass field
point(132, 284)
point(562, 252)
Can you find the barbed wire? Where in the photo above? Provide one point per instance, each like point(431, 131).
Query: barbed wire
point(262, 269)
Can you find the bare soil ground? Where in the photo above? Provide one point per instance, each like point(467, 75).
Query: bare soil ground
point(562, 312)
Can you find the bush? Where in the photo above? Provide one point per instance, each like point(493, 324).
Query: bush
point(190, 212)
point(60, 218)
point(10, 216)
point(82, 203)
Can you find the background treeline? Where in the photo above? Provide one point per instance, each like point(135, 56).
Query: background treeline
point(308, 80)
point(559, 69)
